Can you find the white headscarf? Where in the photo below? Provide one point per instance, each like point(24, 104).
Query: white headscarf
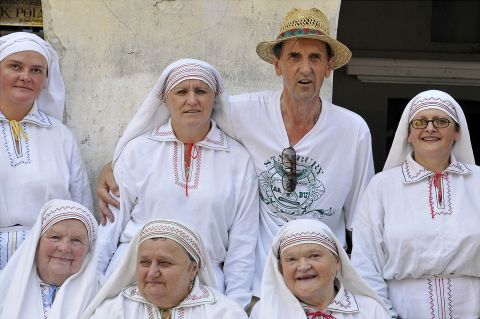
point(277, 301)
point(154, 112)
point(52, 97)
point(433, 99)
point(124, 274)
point(20, 295)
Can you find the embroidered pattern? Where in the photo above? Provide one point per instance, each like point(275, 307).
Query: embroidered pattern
point(9, 242)
point(440, 298)
point(440, 204)
point(434, 102)
point(308, 236)
point(178, 167)
point(20, 156)
point(346, 298)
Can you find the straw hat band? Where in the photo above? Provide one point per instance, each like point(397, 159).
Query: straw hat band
point(299, 32)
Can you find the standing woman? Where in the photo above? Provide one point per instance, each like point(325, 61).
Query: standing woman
point(416, 239)
point(174, 162)
point(39, 158)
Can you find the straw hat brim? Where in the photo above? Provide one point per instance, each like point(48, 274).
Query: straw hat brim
point(341, 53)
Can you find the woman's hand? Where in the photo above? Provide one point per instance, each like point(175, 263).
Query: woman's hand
point(106, 183)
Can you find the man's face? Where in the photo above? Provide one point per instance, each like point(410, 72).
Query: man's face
point(304, 65)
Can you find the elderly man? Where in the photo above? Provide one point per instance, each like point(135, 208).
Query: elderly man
point(313, 158)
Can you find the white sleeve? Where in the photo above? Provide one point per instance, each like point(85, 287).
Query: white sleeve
point(239, 261)
point(363, 171)
point(109, 234)
point(368, 253)
point(79, 187)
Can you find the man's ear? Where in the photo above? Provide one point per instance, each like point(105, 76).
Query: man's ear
point(276, 63)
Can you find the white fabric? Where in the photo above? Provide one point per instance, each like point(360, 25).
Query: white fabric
point(222, 203)
point(153, 110)
point(111, 302)
point(52, 98)
point(49, 165)
point(335, 158)
point(462, 149)
point(396, 238)
point(203, 303)
point(20, 293)
point(353, 300)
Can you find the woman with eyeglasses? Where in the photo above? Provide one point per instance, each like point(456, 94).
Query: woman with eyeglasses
point(173, 162)
point(416, 239)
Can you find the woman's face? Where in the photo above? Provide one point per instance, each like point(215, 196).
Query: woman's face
point(190, 104)
point(432, 143)
point(164, 272)
point(61, 251)
point(22, 78)
point(309, 271)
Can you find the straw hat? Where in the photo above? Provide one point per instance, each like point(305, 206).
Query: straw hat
point(310, 24)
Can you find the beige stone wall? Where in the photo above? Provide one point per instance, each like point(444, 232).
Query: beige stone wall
point(112, 52)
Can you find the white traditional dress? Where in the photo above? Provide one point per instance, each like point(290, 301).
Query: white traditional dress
point(24, 295)
point(416, 239)
point(47, 163)
point(217, 196)
point(334, 165)
point(353, 300)
point(121, 298)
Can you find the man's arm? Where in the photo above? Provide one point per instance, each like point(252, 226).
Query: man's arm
point(106, 183)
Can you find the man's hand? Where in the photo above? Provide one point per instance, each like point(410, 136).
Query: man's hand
point(106, 183)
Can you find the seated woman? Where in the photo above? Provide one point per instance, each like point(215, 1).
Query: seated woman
point(308, 276)
point(39, 158)
point(416, 237)
point(53, 274)
point(165, 273)
point(173, 162)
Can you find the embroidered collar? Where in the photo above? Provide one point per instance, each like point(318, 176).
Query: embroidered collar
point(344, 302)
point(414, 172)
point(34, 116)
point(215, 139)
point(200, 295)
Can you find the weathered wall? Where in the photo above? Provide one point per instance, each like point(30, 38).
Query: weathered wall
point(112, 52)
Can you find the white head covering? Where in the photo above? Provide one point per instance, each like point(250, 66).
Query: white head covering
point(153, 111)
point(20, 295)
point(433, 99)
point(124, 274)
point(277, 301)
point(52, 97)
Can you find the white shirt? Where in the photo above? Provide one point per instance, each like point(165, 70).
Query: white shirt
point(47, 166)
point(202, 303)
point(345, 305)
point(404, 231)
point(334, 158)
point(222, 203)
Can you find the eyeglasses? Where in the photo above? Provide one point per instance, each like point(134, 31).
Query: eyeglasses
point(289, 161)
point(437, 123)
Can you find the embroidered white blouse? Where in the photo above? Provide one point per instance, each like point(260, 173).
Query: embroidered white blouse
point(345, 305)
point(334, 165)
point(46, 166)
point(202, 303)
point(222, 202)
point(410, 227)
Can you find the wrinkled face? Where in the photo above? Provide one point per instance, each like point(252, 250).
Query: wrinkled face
point(22, 77)
point(164, 272)
point(309, 271)
point(430, 142)
point(61, 251)
point(304, 65)
point(191, 103)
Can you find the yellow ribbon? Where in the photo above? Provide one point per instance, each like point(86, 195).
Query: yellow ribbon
point(17, 130)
